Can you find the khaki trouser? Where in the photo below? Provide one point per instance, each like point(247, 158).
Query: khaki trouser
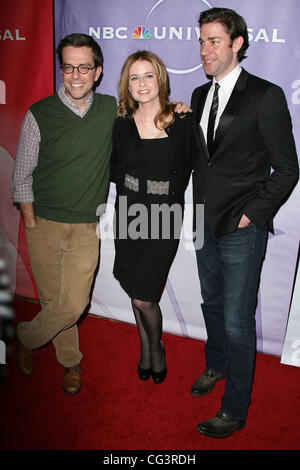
point(63, 259)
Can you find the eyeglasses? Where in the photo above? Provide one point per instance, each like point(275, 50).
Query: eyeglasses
point(67, 68)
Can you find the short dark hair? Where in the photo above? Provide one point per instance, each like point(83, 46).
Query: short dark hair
point(234, 24)
point(80, 40)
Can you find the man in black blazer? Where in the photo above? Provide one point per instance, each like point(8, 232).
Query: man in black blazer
point(249, 168)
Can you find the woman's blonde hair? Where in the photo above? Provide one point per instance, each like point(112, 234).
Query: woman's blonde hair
point(128, 105)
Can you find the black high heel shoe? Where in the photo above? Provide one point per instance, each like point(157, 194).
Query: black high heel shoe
point(159, 377)
point(144, 374)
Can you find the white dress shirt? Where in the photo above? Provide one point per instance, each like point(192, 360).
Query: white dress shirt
point(226, 86)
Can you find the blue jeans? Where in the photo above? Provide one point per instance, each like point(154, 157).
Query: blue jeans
point(229, 270)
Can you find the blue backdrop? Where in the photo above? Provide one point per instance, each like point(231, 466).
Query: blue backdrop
point(169, 28)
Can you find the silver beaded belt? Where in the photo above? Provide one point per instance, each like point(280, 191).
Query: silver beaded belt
point(153, 187)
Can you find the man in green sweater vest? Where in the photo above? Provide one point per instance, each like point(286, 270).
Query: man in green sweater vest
point(61, 176)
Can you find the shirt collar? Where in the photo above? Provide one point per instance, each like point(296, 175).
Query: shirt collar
point(70, 103)
point(228, 82)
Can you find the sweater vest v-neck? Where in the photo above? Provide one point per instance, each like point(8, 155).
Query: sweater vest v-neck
point(71, 178)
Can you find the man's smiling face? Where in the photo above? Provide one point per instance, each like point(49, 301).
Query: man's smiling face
point(218, 51)
point(79, 86)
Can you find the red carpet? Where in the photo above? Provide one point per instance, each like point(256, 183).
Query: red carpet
point(117, 411)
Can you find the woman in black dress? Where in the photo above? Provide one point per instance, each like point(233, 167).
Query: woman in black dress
point(151, 165)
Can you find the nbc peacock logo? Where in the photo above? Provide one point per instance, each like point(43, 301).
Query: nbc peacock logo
point(141, 32)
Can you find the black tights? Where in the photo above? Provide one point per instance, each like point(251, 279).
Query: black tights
point(149, 323)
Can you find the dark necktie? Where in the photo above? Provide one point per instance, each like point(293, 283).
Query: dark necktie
point(212, 118)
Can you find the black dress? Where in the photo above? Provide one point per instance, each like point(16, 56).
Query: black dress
point(148, 215)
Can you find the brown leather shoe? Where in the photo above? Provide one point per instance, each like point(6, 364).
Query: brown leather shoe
point(24, 358)
point(206, 382)
point(72, 380)
point(222, 425)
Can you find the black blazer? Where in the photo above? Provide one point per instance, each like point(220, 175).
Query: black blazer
point(253, 166)
point(180, 132)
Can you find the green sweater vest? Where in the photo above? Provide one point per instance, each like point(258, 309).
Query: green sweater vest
point(72, 176)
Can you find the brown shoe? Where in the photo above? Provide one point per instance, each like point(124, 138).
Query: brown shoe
point(206, 382)
point(24, 358)
point(222, 425)
point(72, 380)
